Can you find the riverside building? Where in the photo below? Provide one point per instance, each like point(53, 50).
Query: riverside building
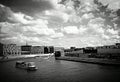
point(48, 49)
point(74, 52)
point(59, 51)
point(37, 50)
point(26, 49)
point(10, 49)
point(108, 51)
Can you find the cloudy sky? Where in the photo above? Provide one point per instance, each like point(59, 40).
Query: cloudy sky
point(64, 23)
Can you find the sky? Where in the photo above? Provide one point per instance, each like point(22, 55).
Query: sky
point(64, 23)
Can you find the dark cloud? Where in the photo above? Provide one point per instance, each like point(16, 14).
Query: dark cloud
point(104, 12)
point(5, 13)
point(118, 18)
point(27, 6)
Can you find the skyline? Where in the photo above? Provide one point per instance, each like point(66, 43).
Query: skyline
point(62, 23)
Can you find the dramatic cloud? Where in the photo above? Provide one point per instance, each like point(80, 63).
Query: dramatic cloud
point(65, 23)
point(20, 27)
point(27, 6)
point(113, 4)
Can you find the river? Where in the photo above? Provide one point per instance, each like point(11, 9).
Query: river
point(51, 70)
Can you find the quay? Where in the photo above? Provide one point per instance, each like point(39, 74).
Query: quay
point(11, 58)
point(91, 60)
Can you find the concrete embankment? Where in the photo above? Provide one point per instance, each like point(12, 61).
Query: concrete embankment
point(11, 58)
point(91, 60)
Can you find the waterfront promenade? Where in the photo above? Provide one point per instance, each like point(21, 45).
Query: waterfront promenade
point(10, 58)
point(91, 60)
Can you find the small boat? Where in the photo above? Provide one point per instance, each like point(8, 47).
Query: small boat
point(26, 65)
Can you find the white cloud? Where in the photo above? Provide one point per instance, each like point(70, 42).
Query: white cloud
point(96, 27)
point(63, 12)
point(59, 15)
point(24, 31)
point(71, 30)
point(57, 35)
point(112, 31)
point(82, 29)
point(38, 30)
point(88, 16)
point(87, 6)
point(20, 17)
point(98, 20)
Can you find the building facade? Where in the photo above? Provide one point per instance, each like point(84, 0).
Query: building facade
point(51, 49)
point(1, 49)
point(37, 50)
point(59, 50)
point(74, 52)
point(10, 49)
point(26, 49)
point(108, 51)
point(48, 49)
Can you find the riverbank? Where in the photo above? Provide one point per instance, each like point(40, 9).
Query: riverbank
point(91, 60)
point(11, 58)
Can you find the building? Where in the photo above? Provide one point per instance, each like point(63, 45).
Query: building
point(9, 49)
point(89, 50)
point(117, 45)
point(1, 49)
point(59, 50)
point(74, 52)
point(37, 49)
point(48, 49)
point(51, 49)
point(108, 51)
point(26, 49)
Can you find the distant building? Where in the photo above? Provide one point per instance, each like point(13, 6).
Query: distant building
point(59, 50)
point(46, 50)
point(51, 49)
point(1, 49)
point(108, 51)
point(57, 54)
point(90, 50)
point(117, 45)
point(37, 49)
point(74, 52)
point(26, 49)
point(72, 48)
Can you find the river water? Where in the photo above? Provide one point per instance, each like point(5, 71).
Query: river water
point(51, 70)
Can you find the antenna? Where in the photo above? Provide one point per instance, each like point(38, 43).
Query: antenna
point(26, 43)
point(0, 29)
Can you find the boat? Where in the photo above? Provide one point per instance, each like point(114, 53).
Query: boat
point(26, 65)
